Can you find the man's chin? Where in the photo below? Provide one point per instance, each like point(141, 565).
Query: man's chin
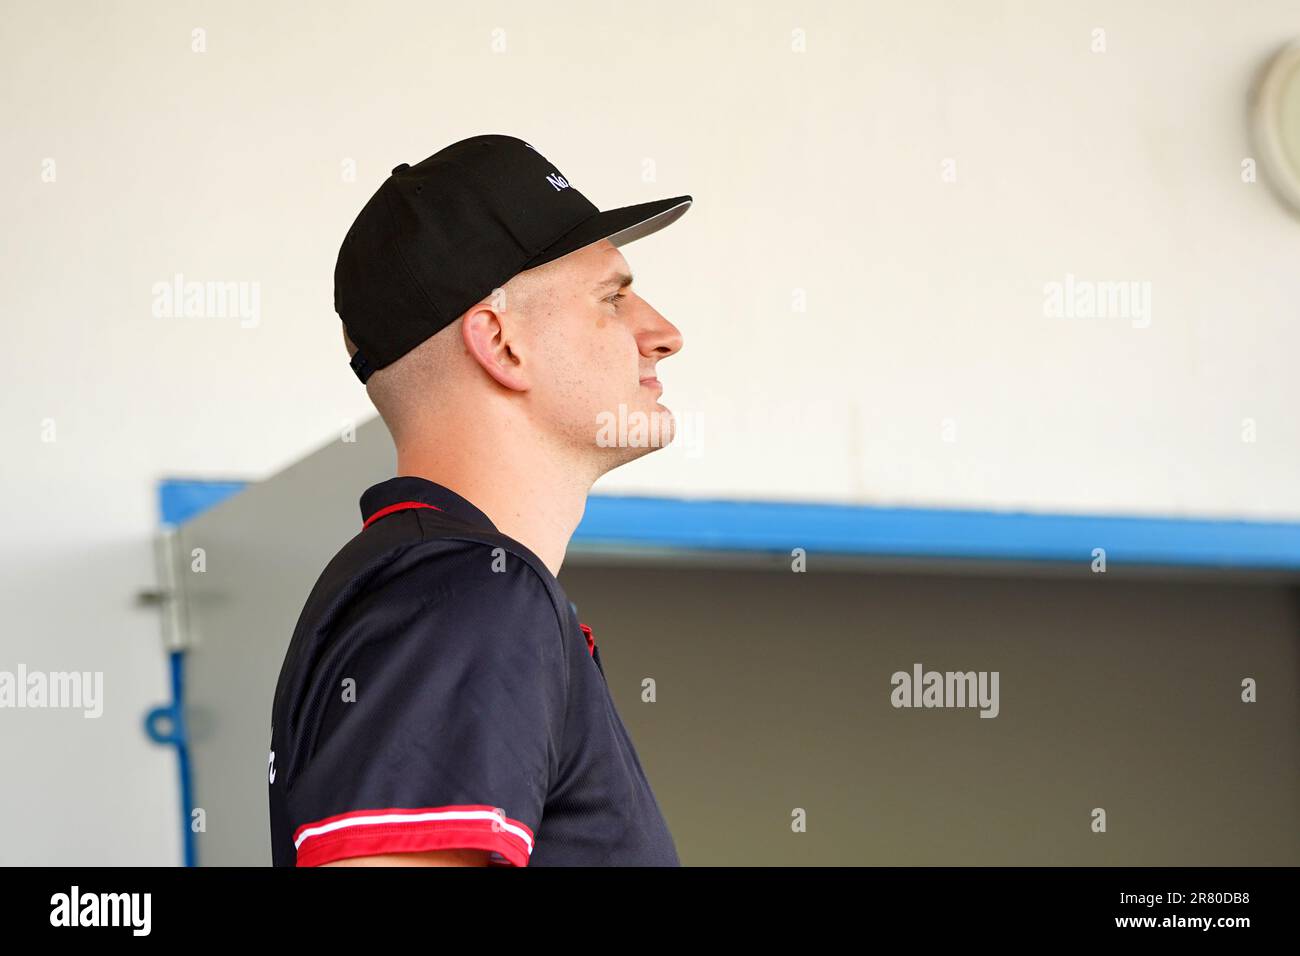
point(636, 430)
point(663, 417)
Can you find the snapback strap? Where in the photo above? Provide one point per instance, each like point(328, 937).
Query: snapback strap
point(361, 365)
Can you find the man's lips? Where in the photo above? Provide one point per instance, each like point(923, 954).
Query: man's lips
point(652, 382)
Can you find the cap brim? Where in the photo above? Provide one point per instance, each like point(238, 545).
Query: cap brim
point(619, 226)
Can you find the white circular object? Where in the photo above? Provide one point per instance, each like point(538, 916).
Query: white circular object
point(1276, 123)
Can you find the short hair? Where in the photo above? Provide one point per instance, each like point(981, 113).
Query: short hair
point(403, 389)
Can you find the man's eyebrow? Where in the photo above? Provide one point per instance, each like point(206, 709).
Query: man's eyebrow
point(619, 280)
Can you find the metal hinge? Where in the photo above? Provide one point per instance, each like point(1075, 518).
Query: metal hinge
point(169, 596)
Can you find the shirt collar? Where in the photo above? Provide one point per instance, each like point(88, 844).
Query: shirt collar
point(406, 488)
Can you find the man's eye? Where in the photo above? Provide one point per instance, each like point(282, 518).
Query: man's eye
point(615, 297)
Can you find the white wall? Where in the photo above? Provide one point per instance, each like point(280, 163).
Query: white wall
point(817, 171)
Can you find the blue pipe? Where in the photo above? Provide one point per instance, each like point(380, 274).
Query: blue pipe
point(172, 717)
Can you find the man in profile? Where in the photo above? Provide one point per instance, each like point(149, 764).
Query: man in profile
point(440, 702)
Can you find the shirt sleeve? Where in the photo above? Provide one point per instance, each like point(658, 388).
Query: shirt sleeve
point(439, 723)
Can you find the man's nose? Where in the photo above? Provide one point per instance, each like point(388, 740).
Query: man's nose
point(659, 335)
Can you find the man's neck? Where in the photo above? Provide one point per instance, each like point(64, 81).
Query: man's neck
point(534, 498)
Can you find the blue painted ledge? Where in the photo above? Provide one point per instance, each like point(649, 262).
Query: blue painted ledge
point(779, 527)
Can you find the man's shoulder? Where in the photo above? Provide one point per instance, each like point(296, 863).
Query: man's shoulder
point(420, 559)
point(389, 601)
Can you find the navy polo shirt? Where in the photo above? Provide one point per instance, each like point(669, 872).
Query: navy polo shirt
point(439, 692)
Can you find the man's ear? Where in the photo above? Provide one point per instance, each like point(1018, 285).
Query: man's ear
point(491, 335)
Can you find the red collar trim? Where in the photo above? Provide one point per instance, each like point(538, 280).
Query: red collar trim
point(400, 506)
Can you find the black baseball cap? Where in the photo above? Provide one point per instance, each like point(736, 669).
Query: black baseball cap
point(439, 236)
